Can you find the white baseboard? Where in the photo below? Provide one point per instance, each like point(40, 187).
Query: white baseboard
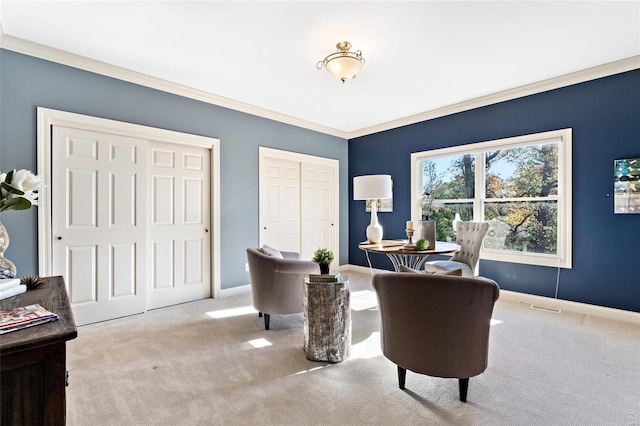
point(530, 299)
point(575, 307)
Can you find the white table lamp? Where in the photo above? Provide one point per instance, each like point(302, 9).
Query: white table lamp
point(373, 187)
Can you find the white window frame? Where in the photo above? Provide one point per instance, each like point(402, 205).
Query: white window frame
point(563, 257)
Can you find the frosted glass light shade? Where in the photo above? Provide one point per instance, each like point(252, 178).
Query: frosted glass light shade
point(372, 187)
point(344, 67)
point(343, 64)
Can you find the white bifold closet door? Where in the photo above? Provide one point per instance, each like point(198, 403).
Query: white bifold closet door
point(98, 222)
point(297, 206)
point(317, 208)
point(129, 222)
point(280, 209)
point(179, 224)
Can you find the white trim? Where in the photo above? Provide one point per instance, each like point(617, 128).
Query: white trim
point(296, 156)
point(563, 258)
point(569, 306)
point(37, 50)
point(529, 299)
point(605, 70)
point(310, 159)
point(81, 62)
point(49, 117)
point(360, 269)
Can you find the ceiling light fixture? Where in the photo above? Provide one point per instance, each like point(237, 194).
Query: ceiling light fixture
point(343, 64)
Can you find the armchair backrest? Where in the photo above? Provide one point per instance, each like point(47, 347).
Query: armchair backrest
point(436, 324)
point(276, 284)
point(469, 236)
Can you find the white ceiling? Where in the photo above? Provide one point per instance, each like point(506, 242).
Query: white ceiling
point(420, 55)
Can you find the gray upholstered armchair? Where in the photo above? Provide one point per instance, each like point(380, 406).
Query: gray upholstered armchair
point(469, 236)
point(277, 284)
point(436, 325)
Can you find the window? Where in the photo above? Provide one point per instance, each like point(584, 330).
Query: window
point(520, 185)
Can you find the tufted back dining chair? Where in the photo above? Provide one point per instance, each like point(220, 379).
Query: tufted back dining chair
point(469, 236)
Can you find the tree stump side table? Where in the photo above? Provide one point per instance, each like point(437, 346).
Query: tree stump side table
point(327, 320)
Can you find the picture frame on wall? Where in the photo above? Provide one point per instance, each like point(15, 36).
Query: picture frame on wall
point(626, 186)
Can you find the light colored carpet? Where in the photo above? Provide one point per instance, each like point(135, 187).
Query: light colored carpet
point(211, 362)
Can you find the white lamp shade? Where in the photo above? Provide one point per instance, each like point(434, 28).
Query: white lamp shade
point(372, 187)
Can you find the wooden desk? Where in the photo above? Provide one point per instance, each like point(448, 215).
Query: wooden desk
point(414, 259)
point(33, 360)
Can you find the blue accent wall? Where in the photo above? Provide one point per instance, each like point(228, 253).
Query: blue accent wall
point(605, 117)
point(27, 83)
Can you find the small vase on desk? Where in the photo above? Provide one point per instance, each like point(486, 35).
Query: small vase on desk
point(324, 268)
point(7, 268)
point(426, 229)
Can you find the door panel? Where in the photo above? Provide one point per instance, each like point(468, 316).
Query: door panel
point(180, 222)
point(318, 208)
point(98, 222)
point(280, 210)
point(162, 264)
point(81, 265)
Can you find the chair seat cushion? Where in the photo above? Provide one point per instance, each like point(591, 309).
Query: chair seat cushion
point(441, 266)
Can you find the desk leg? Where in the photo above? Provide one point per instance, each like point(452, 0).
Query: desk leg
point(413, 261)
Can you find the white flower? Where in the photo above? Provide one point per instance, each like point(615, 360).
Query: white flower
point(19, 190)
point(26, 181)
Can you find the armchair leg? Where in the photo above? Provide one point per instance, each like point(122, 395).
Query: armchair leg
point(266, 321)
point(402, 376)
point(259, 314)
point(463, 384)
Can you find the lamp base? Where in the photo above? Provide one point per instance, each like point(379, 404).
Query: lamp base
point(374, 230)
point(374, 234)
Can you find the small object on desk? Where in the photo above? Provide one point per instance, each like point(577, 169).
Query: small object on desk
point(422, 244)
point(409, 245)
point(13, 290)
point(409, 225)
point(382, 244)
point(324, 278)
point(6, 283)
point(31, 281)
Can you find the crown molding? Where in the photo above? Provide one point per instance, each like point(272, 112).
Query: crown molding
point(92, 65)
point(593, 73)
point(52, 54)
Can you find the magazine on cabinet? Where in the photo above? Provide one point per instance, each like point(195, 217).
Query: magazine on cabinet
point(23, 317)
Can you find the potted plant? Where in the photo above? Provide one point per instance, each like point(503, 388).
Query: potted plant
point(323, 257)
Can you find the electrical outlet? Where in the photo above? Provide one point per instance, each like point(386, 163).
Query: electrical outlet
point(246, 267)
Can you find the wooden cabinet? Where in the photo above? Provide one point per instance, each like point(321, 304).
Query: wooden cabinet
point(33, 372)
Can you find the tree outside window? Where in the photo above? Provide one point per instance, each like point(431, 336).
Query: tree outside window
point(517, 192)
